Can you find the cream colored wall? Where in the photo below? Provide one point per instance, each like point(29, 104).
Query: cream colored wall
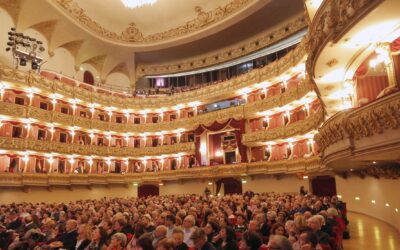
point(257, 184)
point(381, 190)
point(63, 194)
point(287, 184)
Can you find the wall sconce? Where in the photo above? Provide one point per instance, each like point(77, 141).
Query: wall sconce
point(219, 153)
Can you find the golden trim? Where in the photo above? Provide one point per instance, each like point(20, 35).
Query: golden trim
point(27, 144)
point(298, 128)
point(383, 114)
point(239, 112)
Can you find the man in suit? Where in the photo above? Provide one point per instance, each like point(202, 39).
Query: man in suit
point(199, 238)
point(69, 238)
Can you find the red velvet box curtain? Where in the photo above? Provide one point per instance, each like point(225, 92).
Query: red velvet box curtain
point(238, 125)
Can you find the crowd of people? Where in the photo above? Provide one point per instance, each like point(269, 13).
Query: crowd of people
point(249, 221)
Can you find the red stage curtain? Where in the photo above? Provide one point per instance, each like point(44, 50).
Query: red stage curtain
point(395, 46)
point(197, 152)
point(148, 190)
point(324, 186)
point(370, 86)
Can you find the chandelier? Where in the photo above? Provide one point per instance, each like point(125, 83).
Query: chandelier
point(137, 3)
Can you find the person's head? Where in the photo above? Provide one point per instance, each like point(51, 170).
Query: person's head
point(170, 220)
point(119, 224)
point(278, 229)
point(308, 240)
point(290, 226)
point(332, 212)
point(199, 237)
point(178, 236)
point(307, 215)
point(211, 227)
point(107, 225)
point(166, 244)
point(71, 225)
point(250, 241)
point(160, 231)
point(118, 240)
point(99, 234)
point(314, 223)
point(253, 226)
point(279, 242)
point(227, 233)
point(145, 243)
point(84, 232)
point(240, 219)
point(189, 221)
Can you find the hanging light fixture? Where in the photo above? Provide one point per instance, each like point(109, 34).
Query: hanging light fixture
point(137, 3)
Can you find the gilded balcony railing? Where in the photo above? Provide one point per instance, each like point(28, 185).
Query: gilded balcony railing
point(301, 165)
point(298, 128)
point(19, 144)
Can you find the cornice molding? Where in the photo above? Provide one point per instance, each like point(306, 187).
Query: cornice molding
point(225, 54)
point(133, 35)
point(208, 94)
point(301, 165)
point(16, 144)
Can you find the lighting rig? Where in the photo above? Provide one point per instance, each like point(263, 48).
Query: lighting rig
point(25, 49)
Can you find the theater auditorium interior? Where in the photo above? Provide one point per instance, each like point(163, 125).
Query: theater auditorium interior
point(199, 124)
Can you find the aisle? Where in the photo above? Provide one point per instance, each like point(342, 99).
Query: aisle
point(369, 233)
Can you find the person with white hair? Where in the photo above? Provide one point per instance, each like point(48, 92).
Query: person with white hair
point(279, 242)
point(315, 224)
point(188, 227)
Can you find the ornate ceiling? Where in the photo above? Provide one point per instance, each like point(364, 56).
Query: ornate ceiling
point(112, 38)
point(165, 20)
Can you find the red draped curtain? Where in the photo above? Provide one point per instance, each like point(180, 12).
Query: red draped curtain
point(278, 152)
point(238, 125)
point(300, 148)
point(395, 47)
point(324, 186)
point(197, 153)
point(274, 90)
point(148, 190)
point(369, 87)
point(275, 121)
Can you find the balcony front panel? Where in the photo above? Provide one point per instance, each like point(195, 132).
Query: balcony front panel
point(17, 144)
point(258, 138)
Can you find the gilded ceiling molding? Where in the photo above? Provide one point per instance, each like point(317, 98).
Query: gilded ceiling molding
point(248, 111)
point(361, 122)
point(297, 166)
point(17, 144)
point(226, 54)
point(132, 33)
point(332, 19)
point(13, 8)
point(224, 90)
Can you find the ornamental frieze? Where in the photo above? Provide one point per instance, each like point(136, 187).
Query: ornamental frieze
point(361, 122)
point(19, 144)
point(297, 128)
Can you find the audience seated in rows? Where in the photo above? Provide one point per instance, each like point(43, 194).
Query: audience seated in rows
point(249, 221)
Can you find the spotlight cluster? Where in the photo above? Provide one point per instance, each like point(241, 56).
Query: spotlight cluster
point(25, 49)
